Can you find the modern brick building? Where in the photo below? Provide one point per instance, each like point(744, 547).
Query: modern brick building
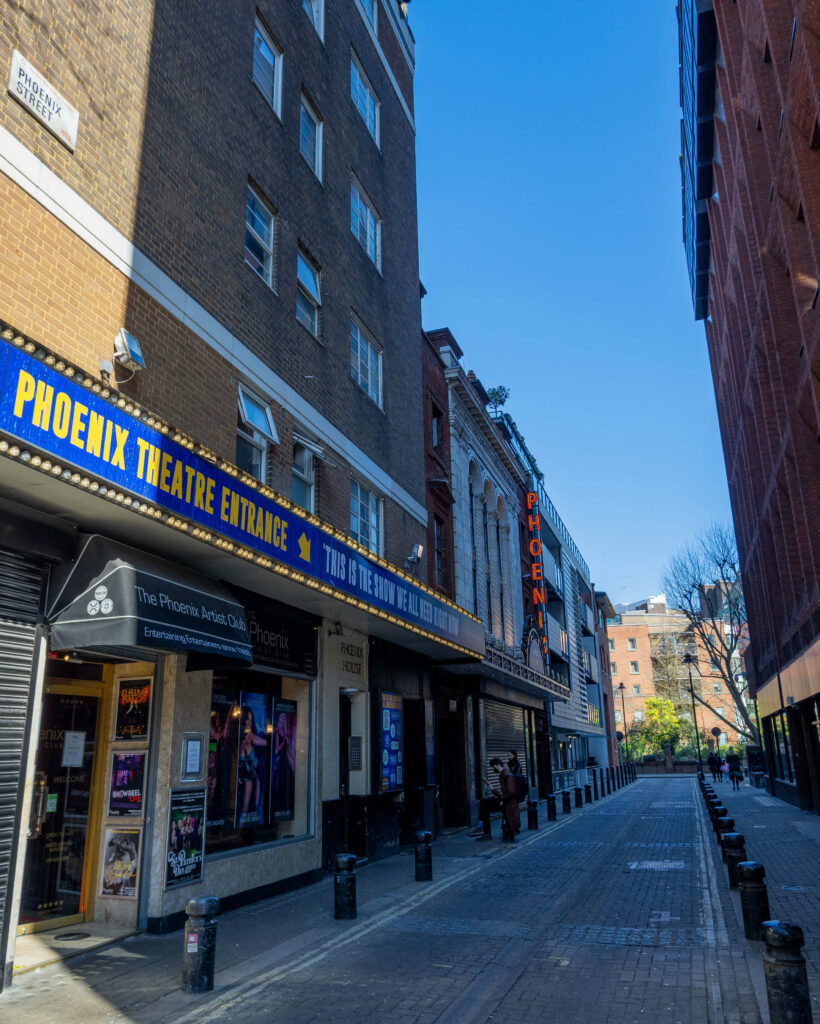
point(646, 648)
point(750, 92)
point(211, 453)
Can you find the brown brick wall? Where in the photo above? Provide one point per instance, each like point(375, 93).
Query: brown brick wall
point(172, 129)
point(765, 315)
point(75, 304)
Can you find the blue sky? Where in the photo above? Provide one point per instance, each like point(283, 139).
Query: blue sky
point(550, 244)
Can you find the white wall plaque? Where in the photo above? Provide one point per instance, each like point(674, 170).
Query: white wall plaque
point(38, 95)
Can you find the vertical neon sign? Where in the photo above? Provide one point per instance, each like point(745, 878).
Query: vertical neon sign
point(539, 589)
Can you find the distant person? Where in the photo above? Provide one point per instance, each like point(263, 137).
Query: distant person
point(724, 770)
point(735, 768)
point(507, 793)
point(513, 763)
point(714, 766)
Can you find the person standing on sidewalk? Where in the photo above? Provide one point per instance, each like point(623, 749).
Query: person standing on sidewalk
point(507, 794)
point(714, 766)
point(735, 768)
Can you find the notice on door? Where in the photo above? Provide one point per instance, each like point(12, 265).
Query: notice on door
point(73, 749)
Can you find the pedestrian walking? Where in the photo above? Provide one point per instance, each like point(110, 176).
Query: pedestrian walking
point(724, 770)
point(735, 768)
point(714, 766)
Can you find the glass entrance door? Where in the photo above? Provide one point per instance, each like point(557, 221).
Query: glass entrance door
point(61, 832)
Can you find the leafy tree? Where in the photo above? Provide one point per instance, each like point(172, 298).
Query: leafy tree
point(662, 723)
point(498, 396)
point(703, 581)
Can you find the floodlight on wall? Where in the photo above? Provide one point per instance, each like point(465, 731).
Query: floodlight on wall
point(127, 351)
point(414, 557)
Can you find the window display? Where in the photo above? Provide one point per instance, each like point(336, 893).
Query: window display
point(258, 760)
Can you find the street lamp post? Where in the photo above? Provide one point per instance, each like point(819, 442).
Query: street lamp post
point(689, 660)
point(621, 687)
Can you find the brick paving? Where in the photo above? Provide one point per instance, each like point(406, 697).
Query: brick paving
point(617, 913)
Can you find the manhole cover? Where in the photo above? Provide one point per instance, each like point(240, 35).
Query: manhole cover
point(73, 936)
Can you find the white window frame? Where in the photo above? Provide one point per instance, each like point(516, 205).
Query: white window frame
point(370, 10)
point(717, 686)
point(274, 94)
point(638, 715)
point(362, 93)
point(366, 223)
point(618, 716)
point(315, 10)
point(613, 667)
point(314, 300)
point(363, 339)
point(307, 475)
point(631, 643)
point(267, 245)
point(611, 644)
point(633, 668)
point(251, 431)
point(375, 517)
point(636, 689)
point(307, 108)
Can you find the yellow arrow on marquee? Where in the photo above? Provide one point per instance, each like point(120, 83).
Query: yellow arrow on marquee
point(304, 548)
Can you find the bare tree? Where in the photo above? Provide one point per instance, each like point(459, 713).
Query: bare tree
point(703, 581)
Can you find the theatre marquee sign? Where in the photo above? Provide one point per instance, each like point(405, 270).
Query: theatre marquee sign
point(77, 424)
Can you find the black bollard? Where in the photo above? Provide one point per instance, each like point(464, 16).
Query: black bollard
point(587, 793)
point(718, 811)
point(200, 944)
point(700, 777)
point(344, 887)
point(532, 815)
point(579, 797)
point(734, 846)
point(787, 983)
point(754, 898)
point(424, 856)
point(595, 784)
point(566, 807)
point(552, 812)
point(609, 780)
point(724, 826)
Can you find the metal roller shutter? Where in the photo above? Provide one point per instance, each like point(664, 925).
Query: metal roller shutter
point(505, 730)
point(21, 583)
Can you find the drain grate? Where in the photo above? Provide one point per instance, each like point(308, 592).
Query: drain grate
point(73, 936)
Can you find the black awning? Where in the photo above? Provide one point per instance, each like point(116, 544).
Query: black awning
point(117, 596)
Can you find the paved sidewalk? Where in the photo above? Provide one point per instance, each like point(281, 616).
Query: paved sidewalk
point(617, 913)
point(786, 841)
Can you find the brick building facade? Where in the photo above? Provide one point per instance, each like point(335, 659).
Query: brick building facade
point(750, 89)
point(239, 197)
point(646, 648)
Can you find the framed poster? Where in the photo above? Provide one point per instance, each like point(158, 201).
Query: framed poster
point(125, 793)
point(186, 837)
point(222, 747)
point(391, 729)
point(283, 760)
point(121, 863)
point(252, 760)
point(133, 709)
